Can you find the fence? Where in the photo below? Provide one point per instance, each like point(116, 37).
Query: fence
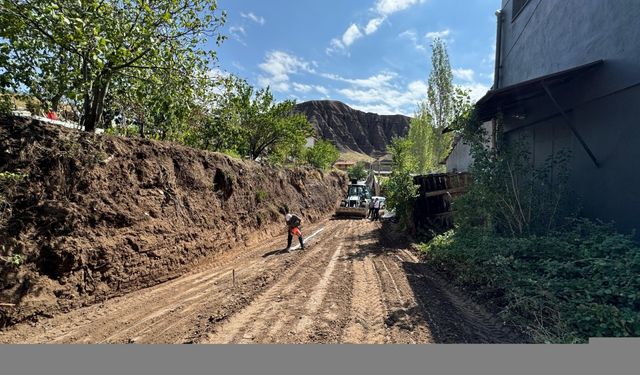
point(436, 193)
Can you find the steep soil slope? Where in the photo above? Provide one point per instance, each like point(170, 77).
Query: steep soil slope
point(100, 216)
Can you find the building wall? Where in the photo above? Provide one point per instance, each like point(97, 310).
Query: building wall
point(553, 35)
point(602, 105)
point(459, 159)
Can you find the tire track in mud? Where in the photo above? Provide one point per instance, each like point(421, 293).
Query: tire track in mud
point(456, 319)
point(347, 287)
point(154, 314)
point(275, 310)
point(186, 316)
point(367, 309)
point(450, 316)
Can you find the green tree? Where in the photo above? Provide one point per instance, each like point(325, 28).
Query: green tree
point(216, 125)
point(323, 154)
point(358, 171)
point(78, 49)
point(400, 189)
point(445, 103)
point(266, 126)
point(439, 104)
point(252, 123)
point(270, 126)
point(423, 136)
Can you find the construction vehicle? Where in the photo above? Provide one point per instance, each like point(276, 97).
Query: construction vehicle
point(356, 203)
point(359, 195)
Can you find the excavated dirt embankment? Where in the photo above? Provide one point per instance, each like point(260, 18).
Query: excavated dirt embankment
point(98, 216)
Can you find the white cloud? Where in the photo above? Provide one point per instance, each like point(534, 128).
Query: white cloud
point(237, 29)
point(215, 73)
point(362, 96)
point(463, 74)
point(413, 37)
point(409, 34)
point(351, 35)
point(373, 25)
point(382, 9)
point(387, 7)
point(300, 87)
point(397, 98)
point(237, 32)
point(322, 90)
point(382, 93)
point(257, 19)
point(278, 66)
point(438, 34)
point(377, 81)
point(476, 90)
point(335, 46)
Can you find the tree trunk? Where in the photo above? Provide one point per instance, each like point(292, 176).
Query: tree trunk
point(86, 105)
point(99, 92)
point(55, 102)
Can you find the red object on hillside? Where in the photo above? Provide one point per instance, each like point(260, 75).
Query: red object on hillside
point(51, 115)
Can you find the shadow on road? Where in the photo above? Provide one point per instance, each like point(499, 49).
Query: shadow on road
point(448, 315)
point(275, 252)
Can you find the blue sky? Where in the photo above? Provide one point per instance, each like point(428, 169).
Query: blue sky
point(374, 55)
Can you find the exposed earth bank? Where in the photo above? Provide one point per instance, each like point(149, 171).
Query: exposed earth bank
point(94, 217)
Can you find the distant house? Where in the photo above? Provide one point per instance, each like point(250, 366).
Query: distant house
point(567, 77)
point(343, 165)
point(383, 165)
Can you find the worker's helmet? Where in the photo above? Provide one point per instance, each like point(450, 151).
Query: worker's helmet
point(287, 217)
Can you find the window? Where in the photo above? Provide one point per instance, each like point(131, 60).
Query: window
point(516, 7)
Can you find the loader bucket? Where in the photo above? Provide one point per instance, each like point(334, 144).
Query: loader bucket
point(360, 212)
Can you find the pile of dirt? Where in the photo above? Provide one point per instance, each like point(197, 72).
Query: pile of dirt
point(98, 216)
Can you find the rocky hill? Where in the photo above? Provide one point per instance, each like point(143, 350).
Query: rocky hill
point(353, 130)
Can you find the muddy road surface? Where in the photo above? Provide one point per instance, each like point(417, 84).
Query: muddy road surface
point(347, 286)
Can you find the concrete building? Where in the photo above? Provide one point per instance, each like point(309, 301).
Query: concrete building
point(567, 77)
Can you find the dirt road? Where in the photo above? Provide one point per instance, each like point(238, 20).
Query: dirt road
point(346, 287)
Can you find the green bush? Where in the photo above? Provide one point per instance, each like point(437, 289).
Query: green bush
point(509, 195)
point(322, 155)
point(565, 286)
